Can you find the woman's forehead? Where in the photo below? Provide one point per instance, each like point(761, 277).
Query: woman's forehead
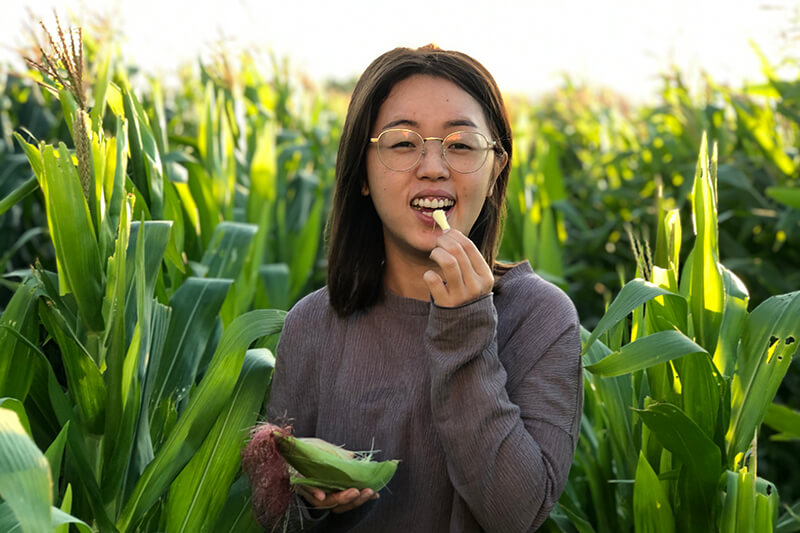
point(428, 101)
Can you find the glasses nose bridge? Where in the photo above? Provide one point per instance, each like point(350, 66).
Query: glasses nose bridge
point(423, 150)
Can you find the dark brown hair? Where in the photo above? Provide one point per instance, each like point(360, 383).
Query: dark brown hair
point(356, 248)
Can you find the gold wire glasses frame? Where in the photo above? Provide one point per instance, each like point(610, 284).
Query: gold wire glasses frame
point(463, 151)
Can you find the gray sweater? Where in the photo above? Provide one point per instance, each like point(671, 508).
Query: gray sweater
point(481, 403)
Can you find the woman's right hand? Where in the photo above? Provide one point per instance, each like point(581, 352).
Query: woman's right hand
point(336, 502)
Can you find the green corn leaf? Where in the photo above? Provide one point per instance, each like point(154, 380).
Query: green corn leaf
point(25, 483)
point(700, 456)
point(707, 296)
point(68, 219)
point(788, 196)
point(733, 322)
point(305, 247)
point(83, 377)
point(634, 294)
point(24, 189)
point(16, 372)
point(195, 306)
point(616, 394)
point(237, 514)
point(228, 249)
point(765, 353)
point(195, 498)
point(34, 156)
point(645, 352)
point(17, 407)
point(275, 280)
point(55, 454)
point(789, 521)
point(701, 390)
point(785, 421)
point(204, 405)
point(146, 161)
point(652, 512)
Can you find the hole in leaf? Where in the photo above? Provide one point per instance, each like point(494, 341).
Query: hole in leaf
point(789, 340)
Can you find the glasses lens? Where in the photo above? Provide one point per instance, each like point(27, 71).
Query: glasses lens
point(399, 149)
point(465, 151)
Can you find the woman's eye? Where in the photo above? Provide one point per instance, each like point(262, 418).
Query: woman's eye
point(403, 145)
point(459, 147)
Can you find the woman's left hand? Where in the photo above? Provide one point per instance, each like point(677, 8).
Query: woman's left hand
point(465, 275)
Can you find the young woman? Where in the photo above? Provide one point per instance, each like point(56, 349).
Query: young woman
point(421, 345)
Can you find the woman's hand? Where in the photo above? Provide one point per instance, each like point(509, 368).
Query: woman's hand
point(336, 502)
point(465, 274)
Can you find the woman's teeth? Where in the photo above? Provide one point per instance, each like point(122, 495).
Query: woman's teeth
point(432, 203)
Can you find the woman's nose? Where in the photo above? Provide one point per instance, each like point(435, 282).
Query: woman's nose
point(432, 165)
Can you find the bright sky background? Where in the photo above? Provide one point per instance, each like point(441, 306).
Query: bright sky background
point(527, 45)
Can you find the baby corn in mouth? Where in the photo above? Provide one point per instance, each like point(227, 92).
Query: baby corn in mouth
point(441, 219)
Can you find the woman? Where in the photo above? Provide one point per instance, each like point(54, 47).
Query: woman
point(421, 346)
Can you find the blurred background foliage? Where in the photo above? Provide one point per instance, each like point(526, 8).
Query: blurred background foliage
point(244, 149)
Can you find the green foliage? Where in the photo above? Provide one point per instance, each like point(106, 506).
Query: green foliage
point(694, 434)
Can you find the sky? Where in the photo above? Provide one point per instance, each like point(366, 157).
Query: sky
point(528, 46)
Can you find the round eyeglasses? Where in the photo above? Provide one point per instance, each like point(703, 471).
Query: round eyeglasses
point(463, 151)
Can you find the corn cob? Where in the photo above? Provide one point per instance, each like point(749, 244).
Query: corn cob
point(329, 467)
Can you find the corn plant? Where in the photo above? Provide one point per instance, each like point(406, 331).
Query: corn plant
point(676, 394)
point(119, 364)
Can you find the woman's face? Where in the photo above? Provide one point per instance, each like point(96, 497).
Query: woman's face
point(431, 107)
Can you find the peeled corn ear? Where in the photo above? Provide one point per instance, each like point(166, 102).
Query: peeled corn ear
point(441, 219)
point(331, 467)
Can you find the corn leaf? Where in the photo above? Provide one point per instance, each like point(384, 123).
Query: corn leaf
point(83, 377)
point(707, 296)
point(652, 512)
point(24, 189)
point(55, 454)
point(645, 352)
point(16, 372)
point(25, 482)
point(237, 514)
point(733, 322)
point(275, 280)
point(195, 500)
point(145, 159)
point(73, 235)
point(765, 353)
point(700, 390)
point(634, 294)
point(788, 196)
point(228, 249)
point(700, 456)
point(785, 421)
point(195, 306)
point(204, 406)
point(305, 247)
point(616, 394)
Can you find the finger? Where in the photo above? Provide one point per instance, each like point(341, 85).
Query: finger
point(448, 263)
point(436, 285)
point(364, 496)
point(476, 259)
point(312, 495)
point(474, 283)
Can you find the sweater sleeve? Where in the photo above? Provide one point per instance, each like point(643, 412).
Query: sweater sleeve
point(509, 439)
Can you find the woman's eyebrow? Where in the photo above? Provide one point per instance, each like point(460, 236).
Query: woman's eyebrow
point(415, 124)
point(401, 122)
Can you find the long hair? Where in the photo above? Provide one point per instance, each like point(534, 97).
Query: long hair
point(356, 248)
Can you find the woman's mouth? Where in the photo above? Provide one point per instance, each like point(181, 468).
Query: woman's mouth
point(430, 203)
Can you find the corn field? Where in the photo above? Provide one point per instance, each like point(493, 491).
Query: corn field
point(154, 238)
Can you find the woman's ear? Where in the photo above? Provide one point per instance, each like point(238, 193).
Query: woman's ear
point(365, 189)
point(499, 164)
